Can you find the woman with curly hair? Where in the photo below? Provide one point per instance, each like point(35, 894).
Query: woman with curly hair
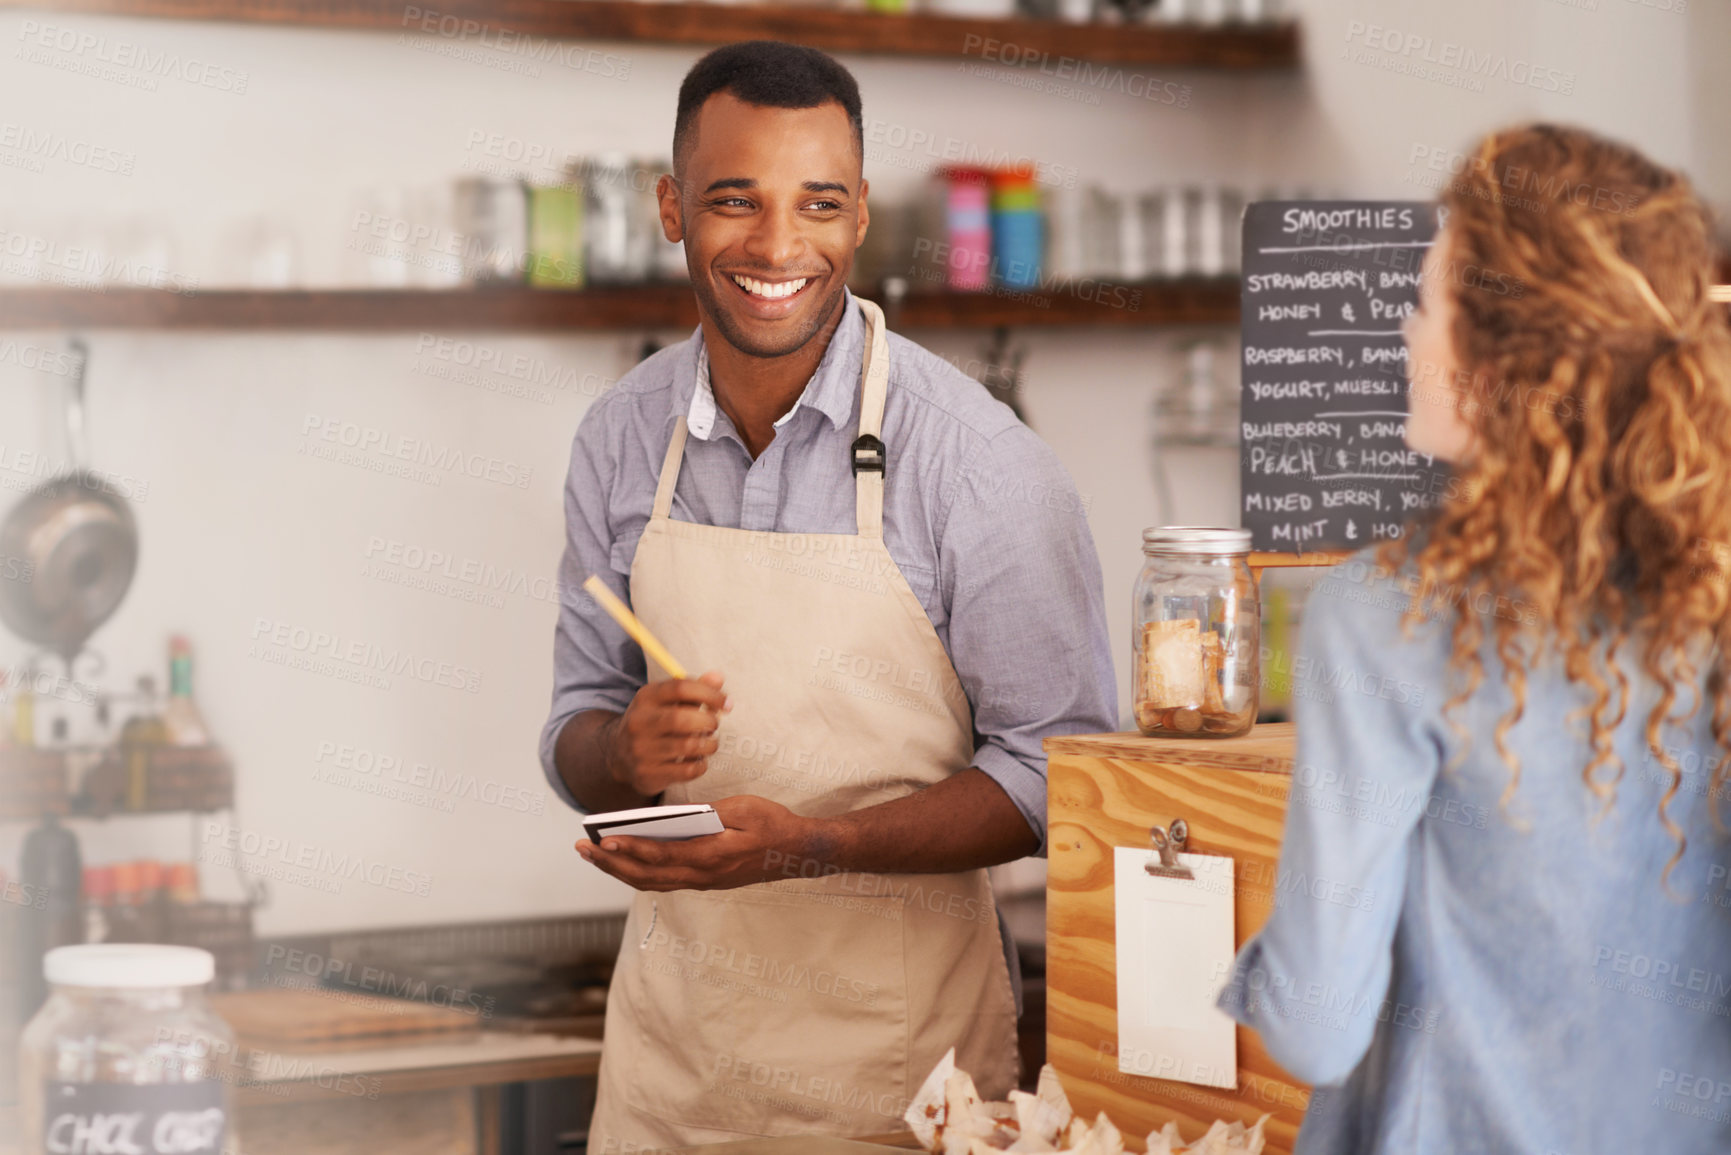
point(1504, 909)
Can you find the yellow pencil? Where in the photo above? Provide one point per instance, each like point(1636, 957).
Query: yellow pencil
point(628, 622)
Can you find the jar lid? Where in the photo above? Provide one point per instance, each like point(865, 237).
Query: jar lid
point(1195, 539)
point(128, 966)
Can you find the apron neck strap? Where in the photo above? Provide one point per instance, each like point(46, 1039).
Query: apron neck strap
point(669, 471)
point(868, 454)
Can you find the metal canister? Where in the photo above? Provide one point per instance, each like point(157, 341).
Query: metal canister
point(618, 247)
point(492, 214)
point(1018, 228)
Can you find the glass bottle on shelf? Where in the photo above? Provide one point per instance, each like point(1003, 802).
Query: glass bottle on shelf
point(98, 901)
point(143, 732)
point(181, 716)
point(52, 869)
point(24, 709)
point(1196, 634)
point(181, 880)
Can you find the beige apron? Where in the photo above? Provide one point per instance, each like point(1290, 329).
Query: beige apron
point(817, 1002)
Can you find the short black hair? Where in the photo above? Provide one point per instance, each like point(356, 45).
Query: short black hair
point(768, 74)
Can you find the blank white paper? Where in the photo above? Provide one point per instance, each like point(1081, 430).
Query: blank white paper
point(1174, 955)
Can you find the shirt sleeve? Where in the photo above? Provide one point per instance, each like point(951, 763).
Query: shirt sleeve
point(595, 664)
point(1313, 982)
point(1027, 619)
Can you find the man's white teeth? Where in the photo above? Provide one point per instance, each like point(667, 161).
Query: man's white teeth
point(770, 290)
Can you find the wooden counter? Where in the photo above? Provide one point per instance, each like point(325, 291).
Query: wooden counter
point(1104, 791)
point(435, 1095)
point(485, 1059)
point(432, 1095)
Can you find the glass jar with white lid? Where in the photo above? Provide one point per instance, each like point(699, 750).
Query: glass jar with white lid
point(1196, 638)
point(126, 1055)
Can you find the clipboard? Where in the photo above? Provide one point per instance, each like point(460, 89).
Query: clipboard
point(1174, 952)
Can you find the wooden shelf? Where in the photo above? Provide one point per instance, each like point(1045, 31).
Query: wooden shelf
point(1184, 302)
point(1244, 46)
point(669, 306)
point(37, 781)
point(634, 307)
point(1282, 560)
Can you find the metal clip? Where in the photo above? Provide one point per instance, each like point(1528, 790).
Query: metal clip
point(1170, 843)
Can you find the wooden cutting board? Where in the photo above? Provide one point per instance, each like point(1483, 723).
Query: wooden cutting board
point(301, 1016)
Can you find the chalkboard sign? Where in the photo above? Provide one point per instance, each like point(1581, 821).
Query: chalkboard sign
point(1324, 462)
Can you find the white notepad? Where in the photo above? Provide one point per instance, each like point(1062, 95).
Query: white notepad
point(1174, 946)
point(665, 823)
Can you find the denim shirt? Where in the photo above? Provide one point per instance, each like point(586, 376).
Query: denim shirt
point(1458, 974)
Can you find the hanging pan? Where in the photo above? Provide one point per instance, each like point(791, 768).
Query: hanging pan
point(76, 545)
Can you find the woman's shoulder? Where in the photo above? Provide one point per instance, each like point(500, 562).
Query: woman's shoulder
point(1362, 594)
point(1366, 594)
point(1355, 634)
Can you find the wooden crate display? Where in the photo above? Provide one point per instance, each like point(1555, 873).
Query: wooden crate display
point(191, 778)
point(1106, 791)
point(32, 782)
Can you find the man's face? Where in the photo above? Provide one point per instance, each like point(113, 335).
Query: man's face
point(771, 207)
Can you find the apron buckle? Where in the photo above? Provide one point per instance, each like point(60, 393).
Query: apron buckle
point(868, 455)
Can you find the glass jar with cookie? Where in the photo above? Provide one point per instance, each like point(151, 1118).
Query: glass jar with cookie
point(1195, 646)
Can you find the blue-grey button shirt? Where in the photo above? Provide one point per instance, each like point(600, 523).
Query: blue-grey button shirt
point(979, 515)
point(1457, 975)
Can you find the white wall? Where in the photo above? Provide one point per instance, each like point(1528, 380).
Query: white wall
point(238, 524)
point(1710, 107)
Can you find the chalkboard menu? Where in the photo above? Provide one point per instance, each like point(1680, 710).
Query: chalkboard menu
point(1324, 463)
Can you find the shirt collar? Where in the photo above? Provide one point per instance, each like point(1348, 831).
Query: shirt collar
point(832, 390)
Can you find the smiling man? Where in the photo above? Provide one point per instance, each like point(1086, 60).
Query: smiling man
point(892, 584)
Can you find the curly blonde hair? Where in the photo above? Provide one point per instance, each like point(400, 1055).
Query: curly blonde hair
point(1596, 376)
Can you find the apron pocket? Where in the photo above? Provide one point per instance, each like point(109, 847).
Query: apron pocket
point(775, 1011)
